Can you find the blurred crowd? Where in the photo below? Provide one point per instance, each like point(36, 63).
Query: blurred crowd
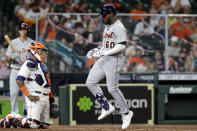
point(146, 34)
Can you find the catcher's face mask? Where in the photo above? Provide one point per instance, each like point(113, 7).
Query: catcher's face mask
point(39, 50)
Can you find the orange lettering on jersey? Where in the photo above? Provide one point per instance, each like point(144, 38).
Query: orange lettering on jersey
point(22, 51)
point(108, 35)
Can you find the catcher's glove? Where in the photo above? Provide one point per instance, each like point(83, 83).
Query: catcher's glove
point(54, 111)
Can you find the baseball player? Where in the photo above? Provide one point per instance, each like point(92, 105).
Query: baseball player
point(16, 59)
point(16, 120)
point(109, 64)
point(37, 89)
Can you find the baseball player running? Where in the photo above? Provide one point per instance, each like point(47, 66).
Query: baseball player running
point(37, 89)
point(21, 44)
point(109, 64)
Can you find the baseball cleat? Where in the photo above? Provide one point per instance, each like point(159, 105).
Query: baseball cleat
point(105, 113)
point(126, 119)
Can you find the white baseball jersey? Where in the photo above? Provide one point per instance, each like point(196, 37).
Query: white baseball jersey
point(113, 34)
point(36, 75)
point(109, 66)
point(21, 51)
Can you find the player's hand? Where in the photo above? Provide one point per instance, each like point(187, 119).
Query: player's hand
point(91, 52)
point(34, 98)
point(98, 54)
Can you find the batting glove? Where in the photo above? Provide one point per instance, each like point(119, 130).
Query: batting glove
point(98, 54)
point(91, 52)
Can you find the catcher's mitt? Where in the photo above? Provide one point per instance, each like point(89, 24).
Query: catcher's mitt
point(54, 111)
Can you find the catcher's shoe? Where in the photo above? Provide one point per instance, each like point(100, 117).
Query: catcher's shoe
point(126, 119)
point(105, 113)
point(15, 122)
point(2, 121)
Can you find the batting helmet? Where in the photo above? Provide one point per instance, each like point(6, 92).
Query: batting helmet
point(108, 9)
point(23, 26)
point(39, 50)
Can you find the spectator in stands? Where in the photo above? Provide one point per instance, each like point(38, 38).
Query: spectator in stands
point(194, 62)
point(190, 59)
point(22, 11)
point(159, 61)
point(171, 19)
point(63, 35)
point(182, 28)
point(51, 35)
point(178, 4)
point(31, 17)
point(139, 10)
point(142, 29)
point(181, 62)
point(172, 64)
point(19, 5)
point(162, 5)
point(4, 70)
point(174, 48)
point(134, 60)
point(59, 5)
point(4, 47)
point(78, 43)
point(160, 29)
point(92, 36)
point(43, 6)
point(153, 19)
point(145, 67)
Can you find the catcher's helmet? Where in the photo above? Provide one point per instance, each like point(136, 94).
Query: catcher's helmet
point(23, 26)
point(108, 9)
point(39, 50)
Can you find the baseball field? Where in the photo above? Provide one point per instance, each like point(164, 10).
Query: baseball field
point(114, 128)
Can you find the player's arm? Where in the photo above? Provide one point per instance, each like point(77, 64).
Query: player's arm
point(118, 48)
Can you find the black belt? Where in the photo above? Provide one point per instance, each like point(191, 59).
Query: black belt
point(15, 68)
point(41, 93)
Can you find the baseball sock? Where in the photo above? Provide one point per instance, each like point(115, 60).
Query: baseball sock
point(103, 101)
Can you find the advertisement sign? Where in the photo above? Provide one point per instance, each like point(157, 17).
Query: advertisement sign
point(177, 104)
point(85, 109)
point(5, 108)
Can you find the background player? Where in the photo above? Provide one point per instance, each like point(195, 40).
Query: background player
point(37, 89)
point(109, 65)
point(21, 44)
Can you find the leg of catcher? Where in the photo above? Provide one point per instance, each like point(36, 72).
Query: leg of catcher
point(44, 116)
point(34, 109)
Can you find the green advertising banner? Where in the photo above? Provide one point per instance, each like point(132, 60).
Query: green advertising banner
point(84, 109)
point(5, 108)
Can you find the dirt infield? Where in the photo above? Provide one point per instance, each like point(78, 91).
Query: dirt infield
point(114, 128)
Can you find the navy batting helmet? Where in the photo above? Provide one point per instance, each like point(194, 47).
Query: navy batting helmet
point(23, 26)
point(108, 9)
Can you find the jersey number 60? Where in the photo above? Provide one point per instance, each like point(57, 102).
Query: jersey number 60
point(109, 44)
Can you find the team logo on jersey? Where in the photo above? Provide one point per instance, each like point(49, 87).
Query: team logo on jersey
point(109, 35)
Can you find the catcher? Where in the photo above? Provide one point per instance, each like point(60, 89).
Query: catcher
point(33, 80)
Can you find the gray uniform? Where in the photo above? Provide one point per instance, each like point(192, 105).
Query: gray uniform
point(22, 53)
point(109, 66)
